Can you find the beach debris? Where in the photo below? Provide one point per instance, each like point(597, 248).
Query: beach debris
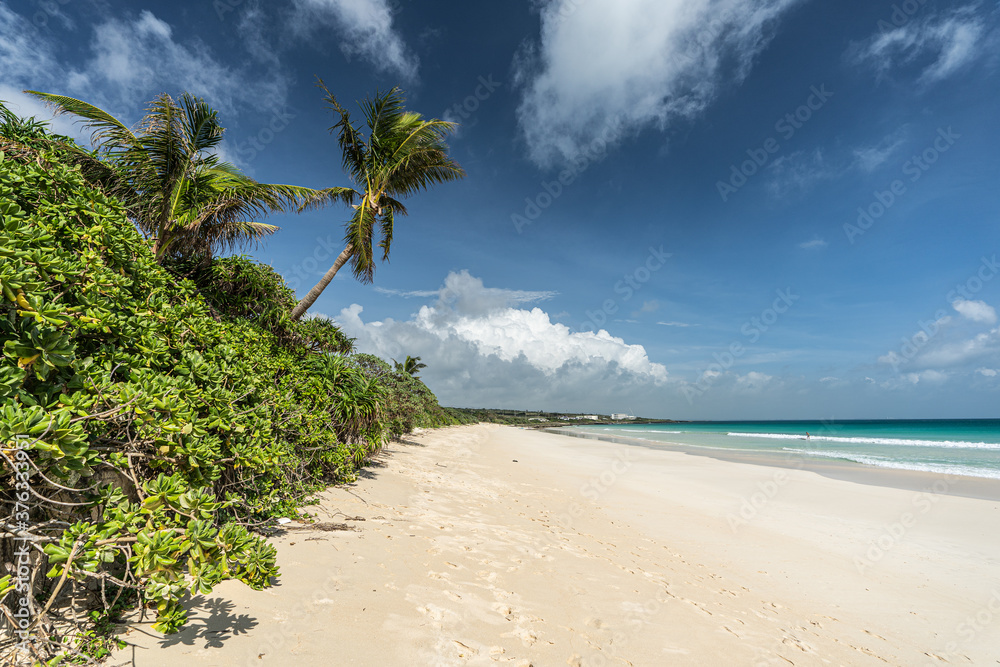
point(326, 527)
point(283, 520)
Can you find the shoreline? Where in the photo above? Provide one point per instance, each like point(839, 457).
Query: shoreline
point(964, 486)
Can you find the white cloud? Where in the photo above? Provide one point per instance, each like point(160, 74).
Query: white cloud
point(988, 372)
point(926, 376)
point(799, 172)
point(951, 42)
point(367, 31)
point(405, 294)
point(870, 158)
point(753, 382)
point(977, 311)
point(626, 65)
point(135, 59)
point(126, 63)
point(481, 348)
point(815, 243)
point(675, 324)
point(985, 345)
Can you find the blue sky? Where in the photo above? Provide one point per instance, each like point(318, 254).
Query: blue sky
point(715, 209)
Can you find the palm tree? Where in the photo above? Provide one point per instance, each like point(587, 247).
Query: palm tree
point(401, 155)
point(171, 180)
point(411, 366)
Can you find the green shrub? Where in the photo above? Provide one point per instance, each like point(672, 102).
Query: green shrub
point(157, 428)
point(409, 404)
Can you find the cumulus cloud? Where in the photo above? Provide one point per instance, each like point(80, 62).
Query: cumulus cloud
point(950, 42)
point(977, 311)
point(366, 29)
point(631, 65)
point(480, 347)
point(983, 346)
point(988, 372)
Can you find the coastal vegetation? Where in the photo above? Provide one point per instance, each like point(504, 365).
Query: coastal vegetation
point(410, 366)
point(170, 180)
point(160, 404)
point(538, 418)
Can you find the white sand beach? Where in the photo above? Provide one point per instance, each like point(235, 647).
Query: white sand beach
point(486, 545)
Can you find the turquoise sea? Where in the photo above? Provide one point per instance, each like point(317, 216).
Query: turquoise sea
point(969, 447)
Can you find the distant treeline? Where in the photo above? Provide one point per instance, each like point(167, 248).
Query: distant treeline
point(539, 418)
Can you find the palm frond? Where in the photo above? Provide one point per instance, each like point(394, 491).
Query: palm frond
point(359, 235)
point(352, 145)
point(107, 132)
point(332, 195)
point(202, 127)
point(386, 221)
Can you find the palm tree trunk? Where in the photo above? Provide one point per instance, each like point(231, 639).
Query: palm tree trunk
point(314, 293)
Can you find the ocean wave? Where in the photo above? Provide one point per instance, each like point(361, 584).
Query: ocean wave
point(873, 441)
point(641, 430)
point(883, 462)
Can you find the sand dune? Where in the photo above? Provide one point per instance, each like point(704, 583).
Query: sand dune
point(488, 545)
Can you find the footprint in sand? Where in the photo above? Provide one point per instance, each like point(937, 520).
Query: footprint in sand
point(797, 643)
point(504, 610)
point(465, 651)
point(527, 637)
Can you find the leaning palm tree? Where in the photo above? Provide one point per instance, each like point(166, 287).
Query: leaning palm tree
point(402, 154)
point(173, 184)
point(411, 366)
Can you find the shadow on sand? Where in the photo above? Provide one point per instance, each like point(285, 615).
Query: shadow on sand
point(211, 622)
